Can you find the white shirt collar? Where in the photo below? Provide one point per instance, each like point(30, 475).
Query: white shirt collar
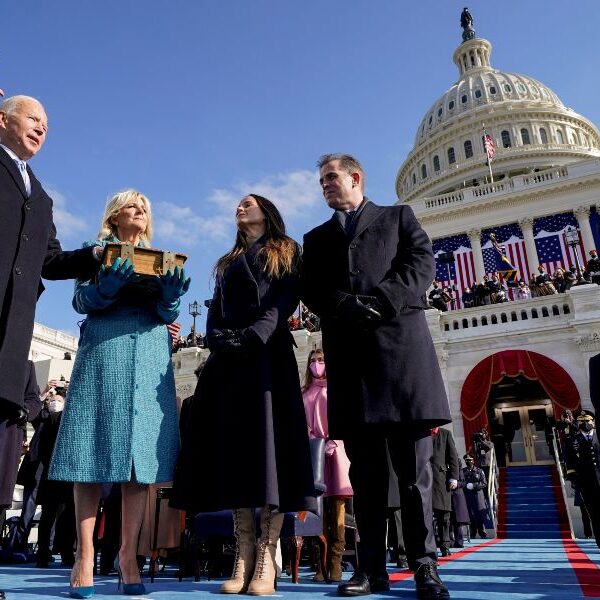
point(12, 154)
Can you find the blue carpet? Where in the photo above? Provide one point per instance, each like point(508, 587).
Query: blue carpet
point(512, 569)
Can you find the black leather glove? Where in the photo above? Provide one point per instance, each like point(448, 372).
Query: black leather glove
point(15, 414)
point(241, 340)
point(360, 310)
point(216, 339)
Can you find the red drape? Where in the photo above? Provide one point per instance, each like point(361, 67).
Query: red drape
point(476, 390)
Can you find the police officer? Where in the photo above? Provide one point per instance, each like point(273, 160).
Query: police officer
point(583, 467)
point(475, 483)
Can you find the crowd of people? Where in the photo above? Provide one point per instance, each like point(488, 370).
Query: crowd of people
point(492, 290)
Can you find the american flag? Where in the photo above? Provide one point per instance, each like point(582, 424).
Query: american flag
point(488, 144)
point(511, 239)
point(462, 271)
point(550, 243)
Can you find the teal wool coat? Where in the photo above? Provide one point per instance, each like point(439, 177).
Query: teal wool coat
point(120, 420)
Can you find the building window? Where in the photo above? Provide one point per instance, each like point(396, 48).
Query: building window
point(430, 119)
point(451, 105)
point(468, 149)
point(436, 163)
point(451, 156)
point(506, 143)
point(493, 90)
point(507, 88)
point(525, 137)
point(477, 93)
point(464, 98)
point(414, 179)
point(559, 137)
point(440, 111)
point(521, 87)
point(543, 135)
point(423, 171)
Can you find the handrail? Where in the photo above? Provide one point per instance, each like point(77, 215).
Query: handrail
point(559, 468)
point(492, 488)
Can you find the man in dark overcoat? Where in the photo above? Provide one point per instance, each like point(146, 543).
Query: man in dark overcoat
point(445, 479)
point(594, 367)
point(29, 250)
point(365, 275)
point(475, 484)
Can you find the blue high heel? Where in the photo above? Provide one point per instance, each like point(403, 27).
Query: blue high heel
point(86, 591)
point(129, 589)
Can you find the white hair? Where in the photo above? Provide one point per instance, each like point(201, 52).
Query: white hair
point(11, 104)
point(115, 204)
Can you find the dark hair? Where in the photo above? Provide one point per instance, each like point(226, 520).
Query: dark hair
point(347, 162)
point(280, 254)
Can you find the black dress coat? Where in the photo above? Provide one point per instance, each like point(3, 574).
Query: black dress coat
point(460, 512)
point(28, 250)
point(444, 466)
point(389, 374)
point(595, 383)
point(11, 437)
point(475, 498)
point(245, 442)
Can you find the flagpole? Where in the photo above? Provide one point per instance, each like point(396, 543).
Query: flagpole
point(489, 160)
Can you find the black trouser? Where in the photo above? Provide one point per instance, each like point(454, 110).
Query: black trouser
point(591, 498)
point(442, 527)
point(585, 519)
point(410, 451)
point(62, 516)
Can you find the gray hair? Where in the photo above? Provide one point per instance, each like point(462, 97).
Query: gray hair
point(115, 204)
point(11, 104)
point(347, 162)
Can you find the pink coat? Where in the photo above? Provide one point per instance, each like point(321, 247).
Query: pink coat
point(337, 464)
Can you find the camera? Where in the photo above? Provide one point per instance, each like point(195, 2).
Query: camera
point(61, 384)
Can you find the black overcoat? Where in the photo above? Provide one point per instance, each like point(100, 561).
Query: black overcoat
point(460, 512)
point(389, 374)
point(444, 466)
point(28, 250)
point(595, 383)
point(11, 437)
point(245, 442)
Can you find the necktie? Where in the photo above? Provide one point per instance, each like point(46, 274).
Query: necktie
point(25, 175)
point(349, 220)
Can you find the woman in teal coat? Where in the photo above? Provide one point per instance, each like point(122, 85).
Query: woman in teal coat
point(120, 423)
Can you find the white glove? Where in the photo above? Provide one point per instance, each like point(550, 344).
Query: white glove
point(469, 486)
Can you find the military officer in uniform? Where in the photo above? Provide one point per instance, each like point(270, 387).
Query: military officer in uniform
point(475, 483)
point(583, 460)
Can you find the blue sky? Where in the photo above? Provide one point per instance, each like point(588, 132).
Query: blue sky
point(197, 103)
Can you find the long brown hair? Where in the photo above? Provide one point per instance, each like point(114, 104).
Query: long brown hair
point(280, 254)
point(308, 376)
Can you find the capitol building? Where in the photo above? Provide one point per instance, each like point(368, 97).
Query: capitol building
point(510, 366)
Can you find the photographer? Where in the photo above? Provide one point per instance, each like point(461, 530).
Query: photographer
point(481, 449)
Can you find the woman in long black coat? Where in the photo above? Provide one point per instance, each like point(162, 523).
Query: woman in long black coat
point(245, 445)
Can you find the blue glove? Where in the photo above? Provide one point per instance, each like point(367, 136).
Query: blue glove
point(110, 281)
point(173, 285)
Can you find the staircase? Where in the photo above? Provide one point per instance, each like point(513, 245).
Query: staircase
point(531, 504)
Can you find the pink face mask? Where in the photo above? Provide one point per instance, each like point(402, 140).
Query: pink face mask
point(317, 369)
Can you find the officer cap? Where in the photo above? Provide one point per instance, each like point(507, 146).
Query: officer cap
point(468, 458)
point(585, 416)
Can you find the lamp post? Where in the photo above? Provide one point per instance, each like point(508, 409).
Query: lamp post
point(571, 237)
point(194, 311)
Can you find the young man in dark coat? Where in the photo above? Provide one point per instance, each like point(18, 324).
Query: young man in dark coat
point(445, 479)
point(475, 484)
point(366, 272)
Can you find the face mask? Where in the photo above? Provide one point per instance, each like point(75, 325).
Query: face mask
point(587, 426)
point(317, 369)
point(55, 406)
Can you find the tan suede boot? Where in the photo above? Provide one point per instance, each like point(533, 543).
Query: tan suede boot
point(245, 543)
point(264, 579)
point(337, 541)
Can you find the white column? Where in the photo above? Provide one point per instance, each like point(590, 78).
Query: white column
point(475, 239)
point(533, 261)
point(582, 214)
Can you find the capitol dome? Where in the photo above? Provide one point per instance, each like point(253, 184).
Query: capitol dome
point(526, 119)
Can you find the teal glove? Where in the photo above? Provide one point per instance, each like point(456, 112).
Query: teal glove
point(110, 281)
point(173, 285)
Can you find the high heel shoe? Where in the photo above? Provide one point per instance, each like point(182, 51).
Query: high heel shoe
point(129, 589)
point(82, 591)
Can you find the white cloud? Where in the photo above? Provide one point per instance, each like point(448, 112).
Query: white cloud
point(295, 193)
point(68, 225)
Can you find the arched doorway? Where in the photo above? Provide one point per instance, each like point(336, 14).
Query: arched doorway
point(513, 394)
